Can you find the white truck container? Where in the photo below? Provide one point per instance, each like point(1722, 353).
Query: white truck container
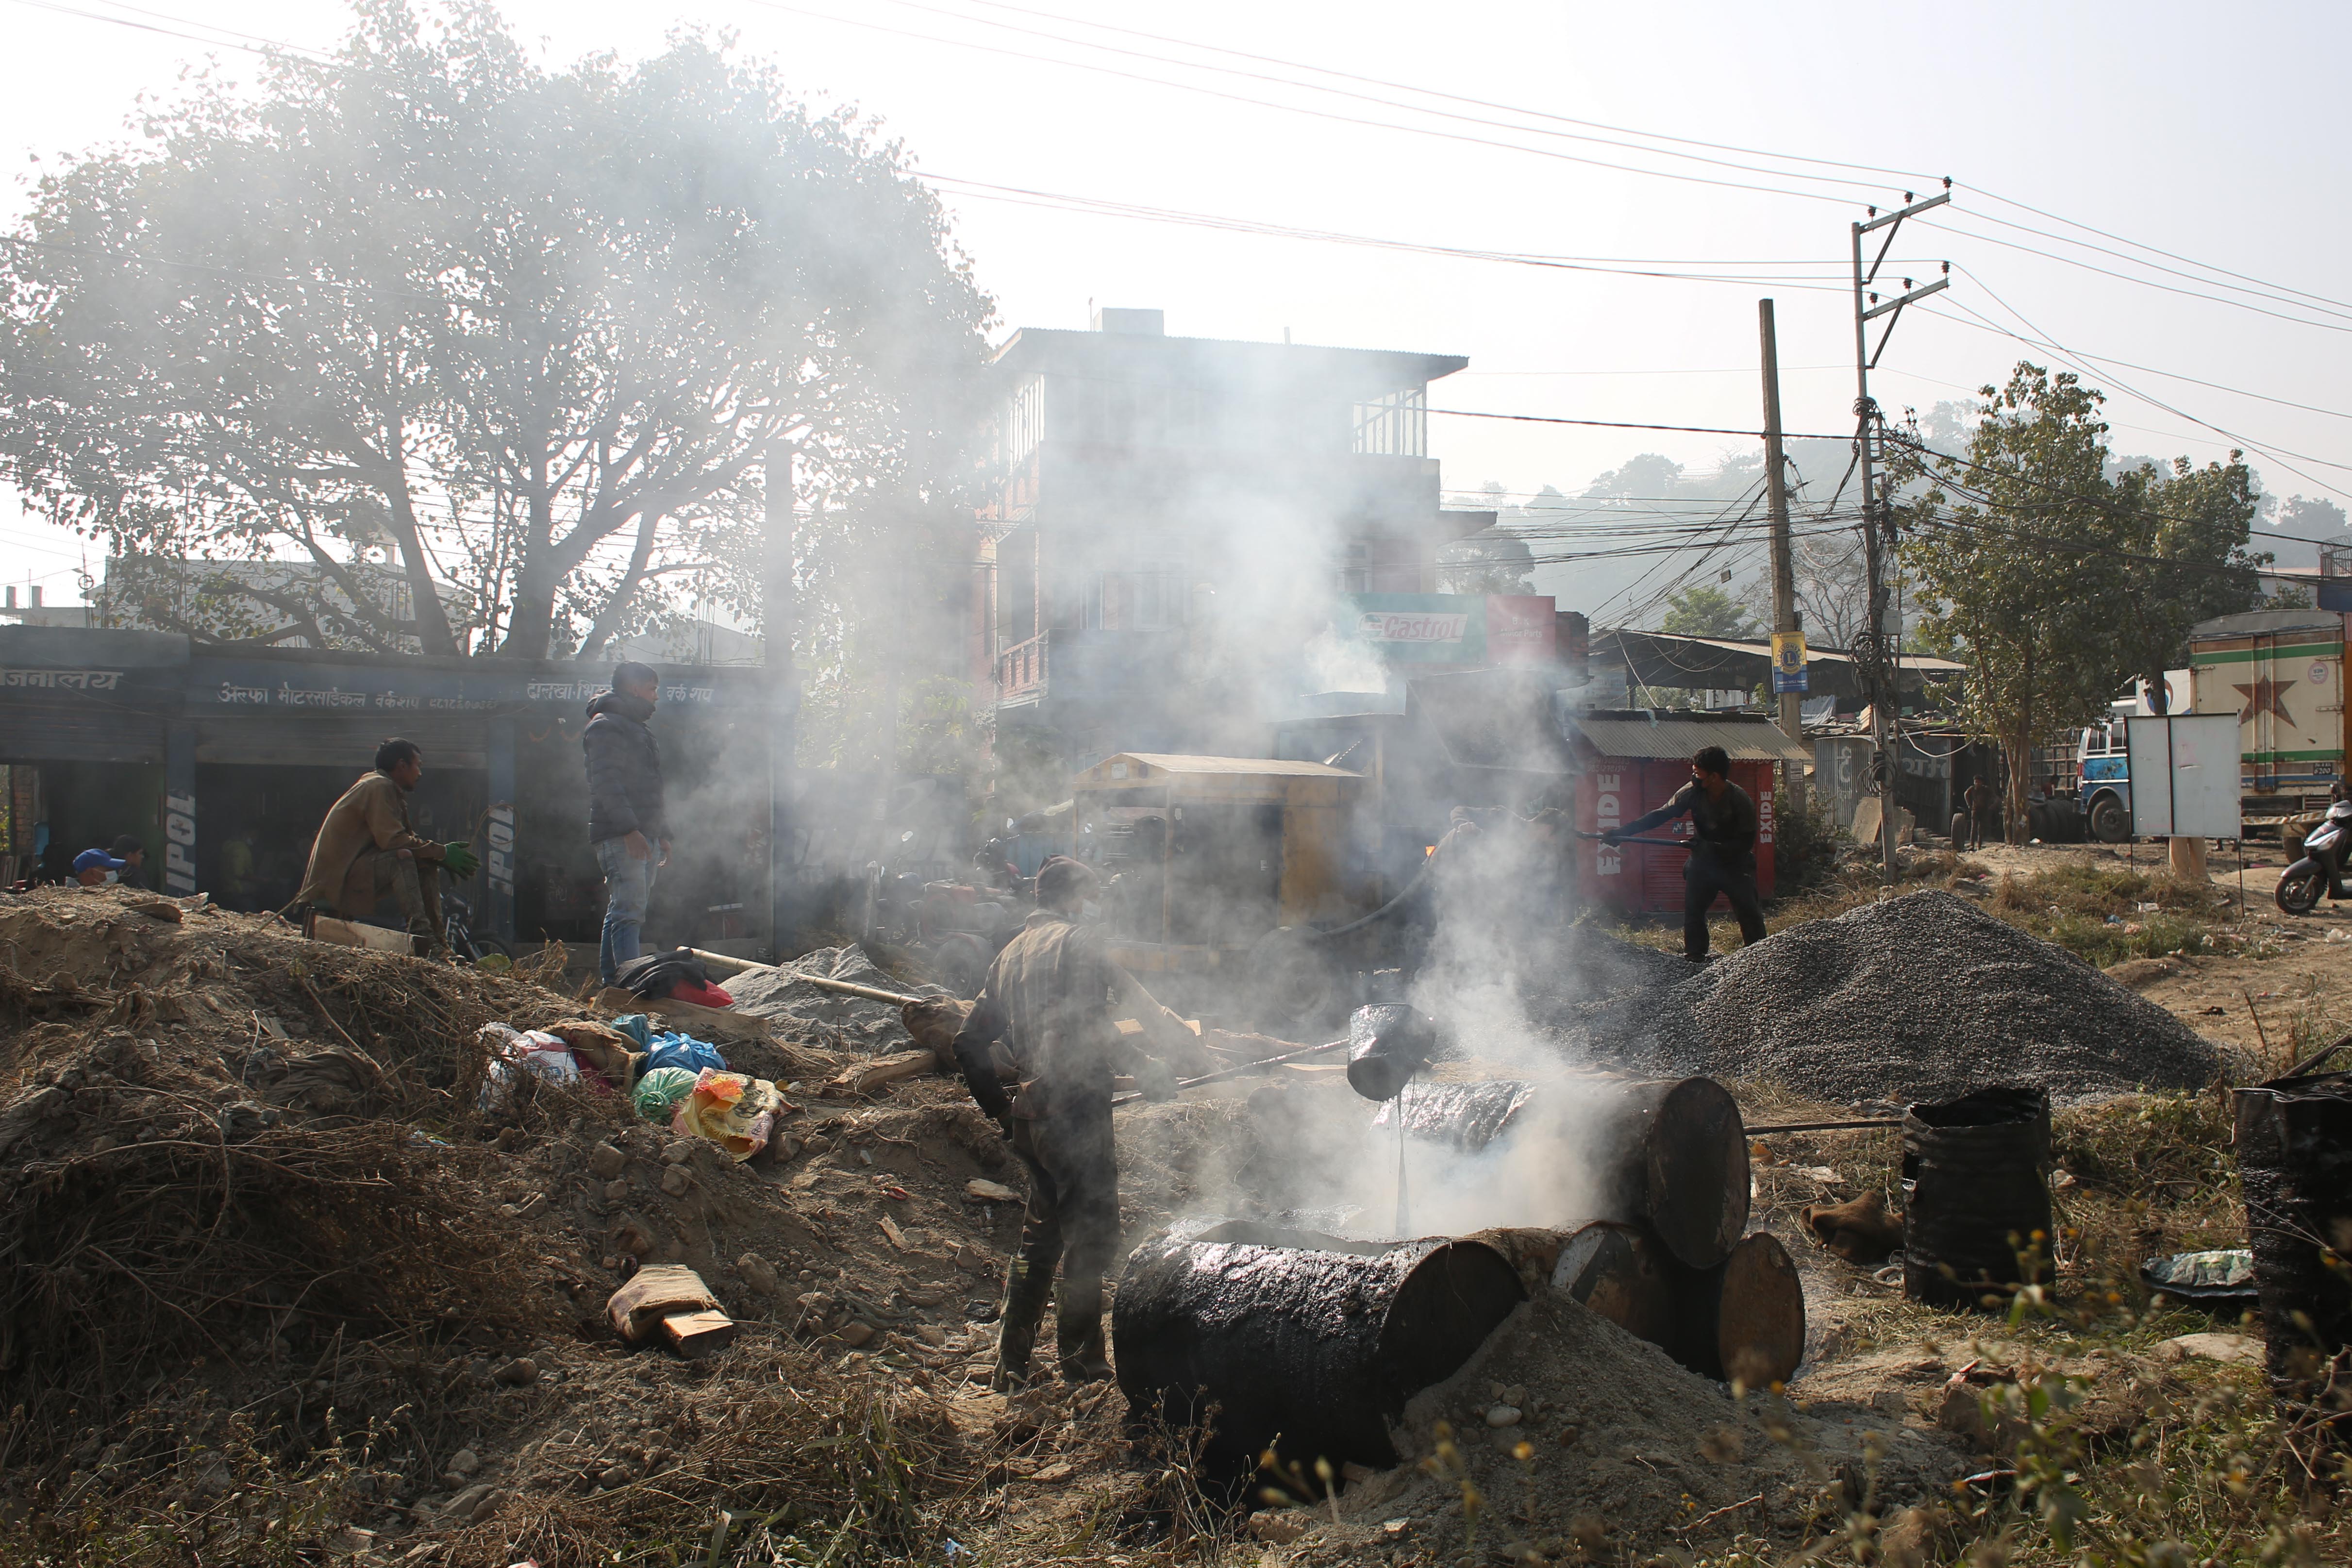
point(2281, 673)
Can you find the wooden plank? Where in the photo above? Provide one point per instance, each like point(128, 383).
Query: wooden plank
point(879, 1072)
point(351, 933)
point(698, 1334)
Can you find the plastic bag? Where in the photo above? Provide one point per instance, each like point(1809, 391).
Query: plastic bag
point(659, 1090)
point(542, 1055)
point(677, 1050)
point(733, 1111)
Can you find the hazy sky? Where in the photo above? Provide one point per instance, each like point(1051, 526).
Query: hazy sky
point(2202, 131)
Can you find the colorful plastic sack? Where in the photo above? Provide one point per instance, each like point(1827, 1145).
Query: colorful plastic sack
point(659, 1090)
point(736, 1111)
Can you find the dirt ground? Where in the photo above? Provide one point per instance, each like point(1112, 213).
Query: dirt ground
point(278, 1282)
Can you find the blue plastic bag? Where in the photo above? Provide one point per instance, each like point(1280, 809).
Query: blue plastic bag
point(677, 1050)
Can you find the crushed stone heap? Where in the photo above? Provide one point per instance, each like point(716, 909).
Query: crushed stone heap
point(1920, 998)
point(838, 1020)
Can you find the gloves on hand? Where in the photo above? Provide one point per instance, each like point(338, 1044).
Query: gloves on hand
point(1610, 838)
point(1156, 1080)
point(459, 860)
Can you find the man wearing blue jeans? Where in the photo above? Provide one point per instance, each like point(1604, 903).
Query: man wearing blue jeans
point(624, 807)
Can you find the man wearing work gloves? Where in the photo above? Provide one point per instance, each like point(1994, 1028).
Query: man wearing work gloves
point(1722, 854)
point(365, 848)
point(1047, 1022)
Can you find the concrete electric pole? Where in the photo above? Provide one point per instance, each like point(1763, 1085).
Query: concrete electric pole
point(1882, 637)
point(1785, 626)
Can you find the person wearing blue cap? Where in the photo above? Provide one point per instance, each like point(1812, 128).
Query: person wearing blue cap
point(118, 863)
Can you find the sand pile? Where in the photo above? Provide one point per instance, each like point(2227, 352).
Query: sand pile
point(1920, 998)
point(1623, 1450)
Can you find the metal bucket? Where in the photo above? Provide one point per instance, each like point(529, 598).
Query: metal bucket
point(2294, 1163)
point(1976, 1189)
point(1308, 1344)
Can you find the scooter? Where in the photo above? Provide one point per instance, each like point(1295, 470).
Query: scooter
point(2321, 867)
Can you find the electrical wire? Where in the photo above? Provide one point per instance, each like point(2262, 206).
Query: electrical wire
point(1336, 117)
point(2277, 454)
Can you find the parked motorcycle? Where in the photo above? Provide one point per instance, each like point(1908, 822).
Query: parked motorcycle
point(2321, 869)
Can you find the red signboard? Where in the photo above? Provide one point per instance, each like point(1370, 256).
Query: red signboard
point(1521, 628)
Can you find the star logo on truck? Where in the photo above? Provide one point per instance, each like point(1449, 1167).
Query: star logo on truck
point(2263, 697)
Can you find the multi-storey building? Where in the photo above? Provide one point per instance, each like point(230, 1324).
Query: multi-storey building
point(1173, 519)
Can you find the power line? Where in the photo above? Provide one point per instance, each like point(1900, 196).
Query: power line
point(1374, 99)
point(2143, 283)
point(1456, 97)
point(1101, 207)
point(1629, 425)
point(1294, 108)
point(2277, 454)
point(2156, 251)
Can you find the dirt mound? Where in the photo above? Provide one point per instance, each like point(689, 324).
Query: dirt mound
point(274, 1270)
point(1919, 997)
point(1608, 1449)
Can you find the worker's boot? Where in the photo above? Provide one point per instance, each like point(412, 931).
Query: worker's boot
point(1025, 1292)
point(1079, 1332)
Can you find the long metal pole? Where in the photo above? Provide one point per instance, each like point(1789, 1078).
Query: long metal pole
point(1881, 693)
point(1784, 568)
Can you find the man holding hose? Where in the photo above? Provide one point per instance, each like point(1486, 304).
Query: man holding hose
point(1052, 1002)
point(1722, 852)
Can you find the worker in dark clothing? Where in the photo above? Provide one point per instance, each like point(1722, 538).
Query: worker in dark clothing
point(1979, 795)
point(1722, 854)
point(625, 823)
point(1046, 1025)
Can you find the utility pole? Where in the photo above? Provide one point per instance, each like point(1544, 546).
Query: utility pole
point(780, 616)
point(1882, 637)
point(1785, 625)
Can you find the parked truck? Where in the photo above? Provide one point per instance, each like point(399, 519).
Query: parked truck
point(2281, 672)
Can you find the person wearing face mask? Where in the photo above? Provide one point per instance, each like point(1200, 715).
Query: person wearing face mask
point(1722, 854)
point(1047, 1021)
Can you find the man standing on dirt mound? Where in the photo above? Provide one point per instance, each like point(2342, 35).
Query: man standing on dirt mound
point(367, 848)
point(624, 807)
point(1053, 999)
point(1722, 852)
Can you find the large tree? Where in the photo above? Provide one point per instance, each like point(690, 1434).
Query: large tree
point(529, 339)
point(2052, 582)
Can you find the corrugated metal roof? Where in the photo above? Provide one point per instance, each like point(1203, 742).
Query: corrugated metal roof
point(1678, 738)
point(2265, 623)
point(1764, 649)
point(1171, 762)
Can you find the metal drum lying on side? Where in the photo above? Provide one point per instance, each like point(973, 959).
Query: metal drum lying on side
point(1667, 1153)
point(1307, 1343)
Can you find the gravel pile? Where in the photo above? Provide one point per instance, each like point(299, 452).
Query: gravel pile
point(1921, 997)
point(832, 1019)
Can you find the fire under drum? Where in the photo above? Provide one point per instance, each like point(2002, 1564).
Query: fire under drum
point(1307, 1343)
point(1667, 1153)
